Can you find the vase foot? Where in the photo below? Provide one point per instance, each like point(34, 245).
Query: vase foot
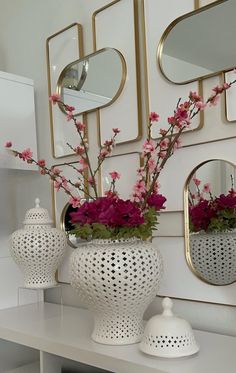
point(118, 330)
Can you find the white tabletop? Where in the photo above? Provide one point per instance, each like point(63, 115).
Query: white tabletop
point(65, 331)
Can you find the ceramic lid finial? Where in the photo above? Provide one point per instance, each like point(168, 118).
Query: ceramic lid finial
point(167, 305)
point(37, 202)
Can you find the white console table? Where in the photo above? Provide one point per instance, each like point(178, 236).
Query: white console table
point(62, 332)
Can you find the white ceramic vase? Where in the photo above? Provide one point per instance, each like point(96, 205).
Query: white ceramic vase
point(38, 249)
point(213, 256)
point(116, 280)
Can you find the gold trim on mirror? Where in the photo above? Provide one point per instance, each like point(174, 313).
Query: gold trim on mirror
point(171, 26)
point(62, 225)
point(186, 223)
point(137, 60)
point(200, 85)
point(225, 98)
point(122, 82)
point(57, 220)
point(81, 53)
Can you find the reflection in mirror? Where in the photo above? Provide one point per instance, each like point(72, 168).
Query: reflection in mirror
point(67, 227)
point(210, 221)
point(195, 45)
point(94, 81)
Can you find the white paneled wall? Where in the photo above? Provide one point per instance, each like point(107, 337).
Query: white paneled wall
point(25, 55)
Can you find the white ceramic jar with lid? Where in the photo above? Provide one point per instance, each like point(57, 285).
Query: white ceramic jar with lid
point(38, 249)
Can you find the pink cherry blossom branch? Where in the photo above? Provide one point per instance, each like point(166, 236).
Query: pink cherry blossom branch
point(183, 115)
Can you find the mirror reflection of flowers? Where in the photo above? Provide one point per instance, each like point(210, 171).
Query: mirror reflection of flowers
point(109, 216)
point(209, 213)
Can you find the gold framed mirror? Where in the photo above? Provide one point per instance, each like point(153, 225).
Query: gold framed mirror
point(94, 81)
point(189, 47)
point(210, 222)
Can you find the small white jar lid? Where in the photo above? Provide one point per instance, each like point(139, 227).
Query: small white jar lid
point(37, 215)
point(167, 335)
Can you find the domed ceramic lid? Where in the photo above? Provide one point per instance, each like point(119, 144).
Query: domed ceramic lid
point(167, 335)
point(37, 215)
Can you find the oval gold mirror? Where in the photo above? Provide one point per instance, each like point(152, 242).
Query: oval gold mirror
point(94, 81)
point(210, 222)
point(199, 44)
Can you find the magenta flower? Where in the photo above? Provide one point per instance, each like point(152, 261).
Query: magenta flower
point(84, 165)
point(151, 165)
point(80, 126)
point(226, 202)
point(69, 116)
point(41, 163)
point(157, 201)
point(148, 147)
point(8, 144)
point(201, 105)
point(194, 96)
point(114, 175)
point(56, 171)
point(163, 132)
point(201, 215)
point(116, 130)
point(74, 201)
point(196, 181)
point(57, 185)
point(113, 212)
point(206, 188)
point(69, 108)
point(164, 144)
point(154, 117)
point(214, 100)
point(139, 187)
point(26, 154)
point(80, 150)
point(54, 98)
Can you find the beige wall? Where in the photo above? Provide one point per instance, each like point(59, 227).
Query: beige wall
point(24, 27)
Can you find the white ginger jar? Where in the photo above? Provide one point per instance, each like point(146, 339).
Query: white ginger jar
point(38, 249)
point(116, 280)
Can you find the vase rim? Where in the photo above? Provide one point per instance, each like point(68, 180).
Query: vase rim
point(202, 233)
point(114, 241)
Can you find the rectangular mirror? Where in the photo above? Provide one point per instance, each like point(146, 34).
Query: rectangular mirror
point(62, 48)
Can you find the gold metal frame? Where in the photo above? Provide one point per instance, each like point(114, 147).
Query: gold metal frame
point(225, 100)
point(81, 52)
point(198, 301)
point(200, 86)
point(122, 82)
point(63, 212)
point(136, 41)
point(171, 26)
point(186, 222)
point(100, 188)
point(62, 224)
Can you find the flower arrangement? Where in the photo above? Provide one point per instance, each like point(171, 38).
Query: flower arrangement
point(109, 216)
point(209, 213)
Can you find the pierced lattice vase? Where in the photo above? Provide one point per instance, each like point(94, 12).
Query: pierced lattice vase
point(213, 256)
point(38, 249)
point(116, 281)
